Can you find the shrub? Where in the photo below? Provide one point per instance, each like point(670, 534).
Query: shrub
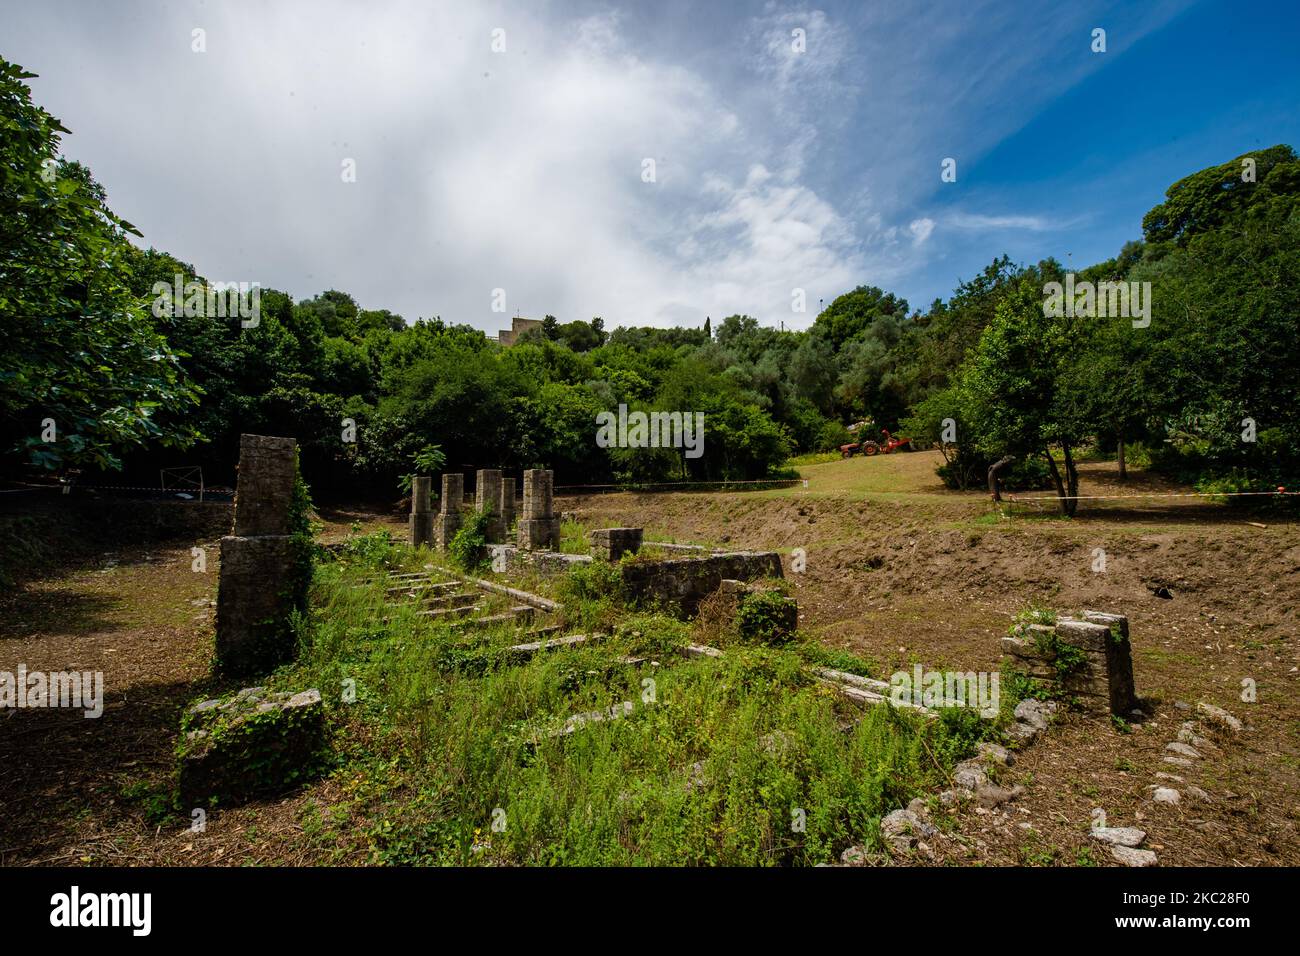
point(468, 547)
point(767, 617)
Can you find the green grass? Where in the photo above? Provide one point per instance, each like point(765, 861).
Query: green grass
point(449, 735)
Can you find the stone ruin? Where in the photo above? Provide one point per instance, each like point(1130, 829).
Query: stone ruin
point(539, 526)
point(492, 493)
point(253, 599)
point(420, 524)
point(250, 743)
point(610, 544)
point(453, 497)
point(1101, 680)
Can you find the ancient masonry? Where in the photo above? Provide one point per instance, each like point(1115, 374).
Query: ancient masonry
point(610, 544)
point(487, 497)
point(539, 527)
point(506, 508)
point(421, 520)
point(252, 598)
point(453, 496)
point(1090, 660)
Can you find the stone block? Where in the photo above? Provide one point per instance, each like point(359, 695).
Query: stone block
point(421, 497)
point(445, 527)
point(420, 529)
point(249, 744)
point(253, 603)
point(487, 497)
point(267, 467)
point(453, 493)
point(681, 583)
point(538, 534)
point(507, 506)
point(610, 544)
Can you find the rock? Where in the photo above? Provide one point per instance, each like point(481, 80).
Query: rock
point(990, 795)
point(1178, 761)
point(1219, 716)
point(995, 752)
point(1133, 857)
point(854, 856)
point(1196, 793)
point(1182, 749)
point(1168, 776)
point(249, 744)
point(1166, 795)
point(951, 798)
point(918, 807)
point(1119, 836)
point(902, 828)
point(1187, 735)
point(1036, 713)
point(1022, 731)
point(969, 774)
point(1182, 705)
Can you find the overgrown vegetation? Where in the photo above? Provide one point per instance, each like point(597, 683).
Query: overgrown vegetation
point(464, 762)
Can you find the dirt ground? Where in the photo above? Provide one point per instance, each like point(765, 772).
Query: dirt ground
point(897, 570)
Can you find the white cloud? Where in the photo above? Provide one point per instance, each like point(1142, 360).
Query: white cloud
point(920, 230)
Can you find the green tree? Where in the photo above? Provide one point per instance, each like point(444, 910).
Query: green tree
point(82, 362)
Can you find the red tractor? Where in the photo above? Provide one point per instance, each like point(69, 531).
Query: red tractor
point(890, 444)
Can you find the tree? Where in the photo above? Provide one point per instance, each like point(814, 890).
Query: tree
point(1021, 390)
point(83, 371)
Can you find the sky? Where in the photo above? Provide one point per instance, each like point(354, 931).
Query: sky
point(649, 163)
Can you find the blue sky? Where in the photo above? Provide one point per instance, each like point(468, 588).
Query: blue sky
point(521, 170)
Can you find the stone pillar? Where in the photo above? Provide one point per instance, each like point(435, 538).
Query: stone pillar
point(1100, 677)
point(487, 497)
point(420, 524)
point(253, 602)
point(507, 509)
point(610, 544)
point(453, 496)
point(539, 528)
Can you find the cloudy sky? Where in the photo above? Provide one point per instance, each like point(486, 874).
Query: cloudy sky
point(508, 145)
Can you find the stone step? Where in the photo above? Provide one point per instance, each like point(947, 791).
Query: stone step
point(520, 612)
point(537, 647)
point(701, 650)
point(855, 680)
point(453, 612)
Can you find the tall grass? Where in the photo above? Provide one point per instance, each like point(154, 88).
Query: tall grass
point(718, 763)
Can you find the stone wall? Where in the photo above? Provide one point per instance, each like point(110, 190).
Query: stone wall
point(684, 582)
point(1090, 660)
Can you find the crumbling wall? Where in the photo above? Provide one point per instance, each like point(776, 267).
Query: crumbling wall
point(1090, 660)
point(684, 582)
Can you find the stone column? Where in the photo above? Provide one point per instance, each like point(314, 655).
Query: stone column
point(507, 509)
point(539, 528)
point(253, 602)
point(420, 523)
point(453, 496)
point(487, 497)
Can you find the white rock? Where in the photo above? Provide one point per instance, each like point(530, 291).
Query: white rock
point(1119, 836)
point(1183, 750)
point(1133, 857)
point(1219, 715)
point(1165, 795)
